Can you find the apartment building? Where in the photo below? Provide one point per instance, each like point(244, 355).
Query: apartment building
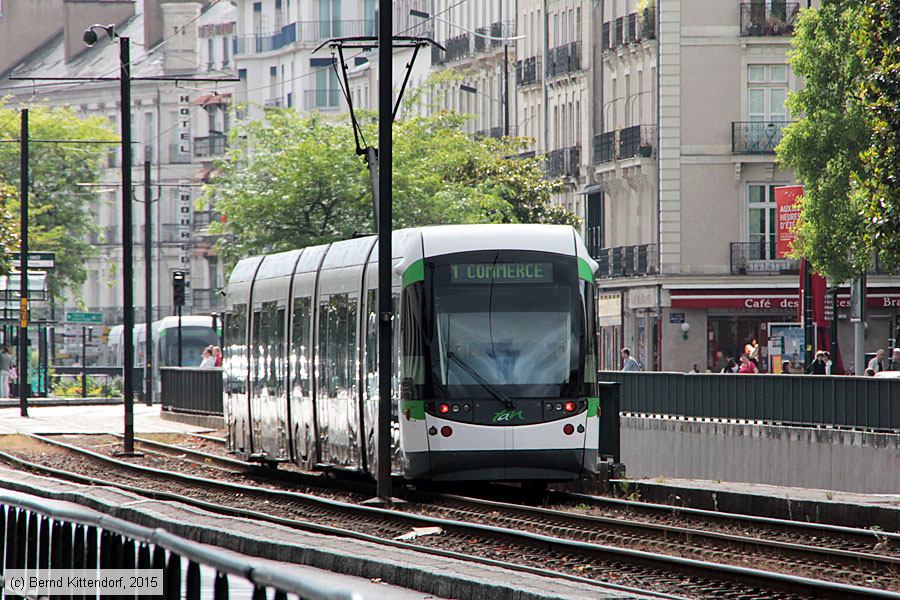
point(179, 128)
point(690, 107)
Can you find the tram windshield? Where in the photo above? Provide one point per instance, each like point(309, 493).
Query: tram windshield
point(503, 324)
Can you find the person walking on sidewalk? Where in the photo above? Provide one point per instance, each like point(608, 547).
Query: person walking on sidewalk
point(6, 363)
point(628, 361)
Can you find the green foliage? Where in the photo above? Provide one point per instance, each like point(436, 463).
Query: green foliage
point(823, 146)
point(845, 146)
point(58, 216)
point(294, 180)
point(9, 228)
point(878, 40)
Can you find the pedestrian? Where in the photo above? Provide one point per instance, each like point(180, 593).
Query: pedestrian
point(217, 354)
point(877, 362)
point(747, 365)
point(752, 351)
point(870, 373)
point(6, 363)
point(695, 369)
point(208, 358)
point(826, 358)
point(730, 367)
point(628, 361)
point(785, 367)
point(895, 360)
point(817, 366)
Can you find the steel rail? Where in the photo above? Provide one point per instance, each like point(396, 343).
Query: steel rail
point(307, 525)
point(580, 525)
point(711, 571)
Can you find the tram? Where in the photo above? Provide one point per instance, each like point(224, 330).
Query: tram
point(495, 371)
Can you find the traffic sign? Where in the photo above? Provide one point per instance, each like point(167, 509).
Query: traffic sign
point(36, 260)
point(84, 317)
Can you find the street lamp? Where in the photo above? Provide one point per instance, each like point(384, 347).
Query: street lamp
point(90, 38)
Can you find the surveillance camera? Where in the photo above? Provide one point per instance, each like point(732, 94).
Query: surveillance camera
point(90, 37)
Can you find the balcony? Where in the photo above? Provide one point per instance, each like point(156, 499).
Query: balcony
point(756, 137)
point(528, 71)
point(272, 103)
point(322, 99)
point(480, 41)
point(458, 47)
point(265, 42)
point(759, 18)
point(564, 59)
point(647, 30)
point(209, 146)
point(619, 31)
point(319, 31)
point(637, 140)
point(630, 29)
point(565, 162)
point(760, 258)
point(176, 156)
point(627, 261)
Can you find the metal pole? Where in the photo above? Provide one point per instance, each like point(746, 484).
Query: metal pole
point(179, 336)
point(834, 331)
point(148, 287)
point(505, 88)
point(23, 267)
point(84, 361)
point(127, 275)
point(385, 254)
point(809, 341)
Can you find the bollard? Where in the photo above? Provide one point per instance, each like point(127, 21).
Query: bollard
point(220, 588)
point(193, 581)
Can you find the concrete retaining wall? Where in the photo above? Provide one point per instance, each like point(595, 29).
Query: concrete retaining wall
point(852, 461)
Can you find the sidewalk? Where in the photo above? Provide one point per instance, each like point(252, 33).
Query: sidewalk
point(89, 419)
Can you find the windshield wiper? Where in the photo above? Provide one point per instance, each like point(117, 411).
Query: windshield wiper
point(474, 375)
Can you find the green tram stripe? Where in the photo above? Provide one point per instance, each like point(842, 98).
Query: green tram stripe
point(414, 272)
point(416, 409)
point(584, 270)
point(593, 407)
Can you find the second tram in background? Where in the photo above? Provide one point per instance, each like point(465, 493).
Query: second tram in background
point(197, 332)
point(495, 355)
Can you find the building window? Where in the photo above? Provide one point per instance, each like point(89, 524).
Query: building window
point(766, 93)
point(761, 221)
point(225, 50)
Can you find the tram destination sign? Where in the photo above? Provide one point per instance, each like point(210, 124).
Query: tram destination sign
point(36, 260)
point(501, 273)
point(94, 318)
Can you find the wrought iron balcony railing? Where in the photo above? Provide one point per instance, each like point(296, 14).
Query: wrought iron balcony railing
point(265, 42)
point(564, 59)
point(760, 18)
point(627, 261)
point(458, 47)
point(756, 137)
point(564, 162)
point(210, 145)
point(637, 140)
point(760, 258)
point(528, 71)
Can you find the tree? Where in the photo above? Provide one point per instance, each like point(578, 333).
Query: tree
point(59, 216)
point(9, 229)
point(878, 40)
point(824, 144)
point(293, 180)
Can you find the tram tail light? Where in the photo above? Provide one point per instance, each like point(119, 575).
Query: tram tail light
point(571, 406)
point(568, 429)
point(446, 431)
point(443, 408)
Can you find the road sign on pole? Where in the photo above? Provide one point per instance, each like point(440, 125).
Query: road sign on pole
point(36, 260)
point(85, 317)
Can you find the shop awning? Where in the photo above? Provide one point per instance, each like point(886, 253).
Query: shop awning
point(772, 298)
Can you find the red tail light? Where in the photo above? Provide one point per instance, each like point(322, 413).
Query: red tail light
point(570, 406)
point(568, 429)
point(443, 408)
point(446, 431)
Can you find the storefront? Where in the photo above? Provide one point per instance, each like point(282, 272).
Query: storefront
point(733, 316)
point(609, 312)
point(641, 325)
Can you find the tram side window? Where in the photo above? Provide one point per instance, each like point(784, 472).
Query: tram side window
point(235, 351)
point(371, 364)
point(300, 346)
point(268, 347)
point(277, 354)
point(337, 345)
point(590, 333)
point(255, 352)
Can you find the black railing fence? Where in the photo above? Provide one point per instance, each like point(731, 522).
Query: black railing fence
point(803, 400)
point(191, 390)
point(42, 536)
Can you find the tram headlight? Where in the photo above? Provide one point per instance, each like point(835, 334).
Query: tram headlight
point(571, 406)
point(443, 408)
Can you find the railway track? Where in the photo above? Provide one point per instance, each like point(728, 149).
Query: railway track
point(544, 541)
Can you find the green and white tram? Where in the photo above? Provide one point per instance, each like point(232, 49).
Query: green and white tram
point(495, 342)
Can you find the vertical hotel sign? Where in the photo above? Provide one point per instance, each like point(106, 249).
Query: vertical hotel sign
point(184, 125)
point(184, 228)
point(787, 207)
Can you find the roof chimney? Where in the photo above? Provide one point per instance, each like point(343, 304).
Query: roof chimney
point(180, 26)
point(78, 15)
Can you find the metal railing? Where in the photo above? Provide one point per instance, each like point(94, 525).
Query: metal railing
point(322, 99)
point(647, 24)
point(210, 145)
point(759, 18)
point(630, 29)
point(191, 390)
point(564, 162)
point(564, 59)
point(265, 42)
point(319, 31)
point(42, 535)
point(627, 261)
point(528, 71)
point(756, 137)
point(458, 47)
point(502, 29)
point(760, 258)
point(637, 140)
point(803, 400)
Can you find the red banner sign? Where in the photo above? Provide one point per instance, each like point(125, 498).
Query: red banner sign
point(788, 212)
